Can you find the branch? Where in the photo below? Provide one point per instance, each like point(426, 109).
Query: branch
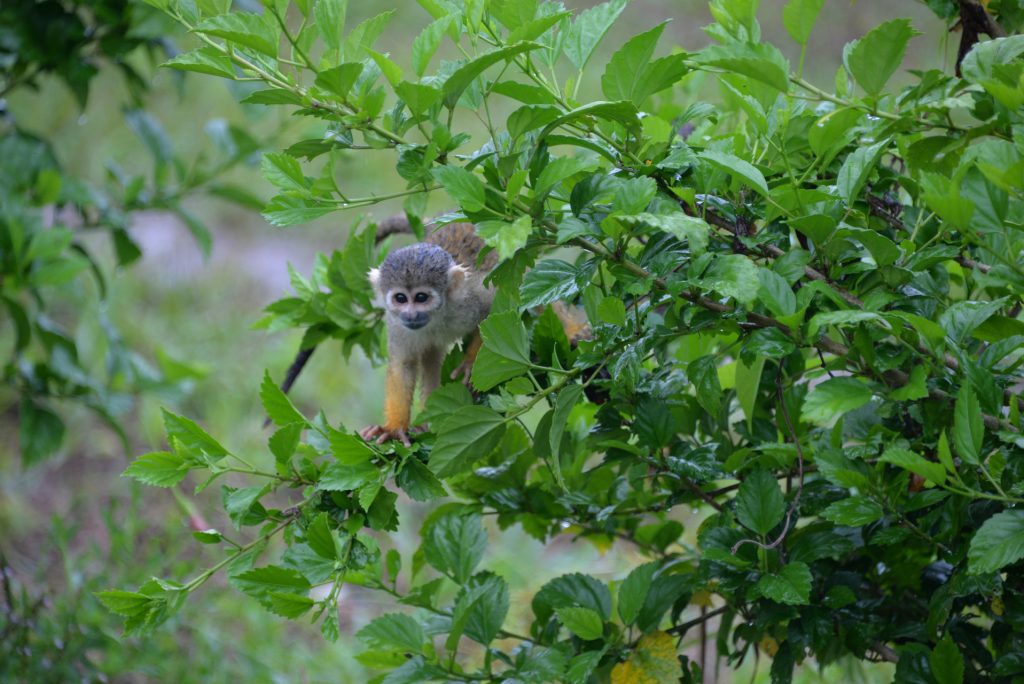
point(682, 628)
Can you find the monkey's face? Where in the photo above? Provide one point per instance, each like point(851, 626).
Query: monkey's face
point(413, 306)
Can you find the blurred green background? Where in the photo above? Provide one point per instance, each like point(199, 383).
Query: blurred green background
point(70, 525)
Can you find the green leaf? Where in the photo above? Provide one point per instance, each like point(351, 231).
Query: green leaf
point(126, 603)
point(418, 482)
point(243, 28)
point(947, 663)
point(288, 605)
point(759, 61)
point(159, 469)
point(558, 170)
point(736, 276)
point(467, 73)
point(454, 544)
point(776, 294)
point(874, 58)
point(799, 17)
point(834, 397)
point(568, 397)
point(944, 455)
point(633, 591)
point(427, 42)
point(574, 589)
point(190, 436)
point(445, 401)
point(340, 79)
point(276, 403)
point(748, 381)
point(693, 229)
point(855, 511)
point(506, 238)
point(703, 374)
point(531, 117)
point(285, 441)
point(623, 112)
point(320, 537)
point(968, 426)
point(735, 166)
point(857, 168)
point(261, 582)
point(395, 631)
point(206, 60)
point(288, 211)
point(551, 280)
point(485, 603)
point(999, 542)
point(908, 460)
point(462, 186)
point(345, 477)
point(588, 29)
point(791, 585)
point(841, 319)
point(464, 438)
point(759, 503)
point(631, 75)
point(283, 171)
point(583, 622)
point(392, 72)
point(505, 352)
point(612, 310)
point(40, 431)
point(330, 21)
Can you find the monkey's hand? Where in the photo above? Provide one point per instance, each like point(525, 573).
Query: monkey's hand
point(382, 433)
point(464, 372)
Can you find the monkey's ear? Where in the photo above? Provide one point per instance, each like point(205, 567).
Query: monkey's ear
point(456, 276)
point(374, 276)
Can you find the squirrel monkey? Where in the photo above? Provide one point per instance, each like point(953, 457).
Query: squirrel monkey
point(433, 295)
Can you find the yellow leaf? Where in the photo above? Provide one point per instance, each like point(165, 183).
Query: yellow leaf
point(769, 645)
point(652, 662)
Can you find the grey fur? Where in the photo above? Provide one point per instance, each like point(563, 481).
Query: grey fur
point(416, 265)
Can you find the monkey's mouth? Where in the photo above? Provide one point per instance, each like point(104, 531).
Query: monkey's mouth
point(415, 324)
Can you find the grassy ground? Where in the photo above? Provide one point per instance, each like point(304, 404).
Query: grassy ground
point(71, 526)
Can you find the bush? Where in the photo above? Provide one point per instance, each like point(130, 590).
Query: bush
point(806, 312)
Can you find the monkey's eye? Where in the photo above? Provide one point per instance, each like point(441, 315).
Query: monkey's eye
point(421, 297)
point(401, 298)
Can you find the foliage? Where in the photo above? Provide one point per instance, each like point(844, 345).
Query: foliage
point(47, 258)
point(806, 317)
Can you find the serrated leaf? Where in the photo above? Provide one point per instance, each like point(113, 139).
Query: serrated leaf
point(454, 544)
point(583, 622)
point(426, 43)
point(416, 479)
point(574, 589)
point(551, 280)
point(464, 438)
point(206, 60)
point(633, 591)
point(190, 436)
point(320, 537)
point(261, 582)
point(856, 169)
point(159, 469)
point(506, 238)
point(340, 79)
point(874, 58)
point(908, 460)
point(345, 477)
point(283, 171)
point(330, 21)
point(467, 73)
point(775, 293)
point(834, 397)
point(791, 585)
point(285, 441)
point(243, 28)
point(968, 426)
point(855, 511)
point(735, 166)
point(588, 29)
point(653, 661)
point(394, 631)
point(736, 276)
point(799, 17)
point(693, 229)
point(505, 352)
point(946, 661)
point(126, 603)
point(997, 543)
point(759, 502)
point(288, 605)
point(276, 403)
point(462, 186)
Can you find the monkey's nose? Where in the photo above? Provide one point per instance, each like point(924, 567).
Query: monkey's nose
point(414, 322)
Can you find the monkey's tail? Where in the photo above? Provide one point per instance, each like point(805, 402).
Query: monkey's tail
point(301, 359)
point(393, 225)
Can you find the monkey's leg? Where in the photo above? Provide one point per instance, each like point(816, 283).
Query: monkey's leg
point(574, 321)
point(430, 372)
point(398, 391)
point(465, 369)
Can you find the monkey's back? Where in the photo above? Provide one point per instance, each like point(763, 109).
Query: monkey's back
point(461, 241)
